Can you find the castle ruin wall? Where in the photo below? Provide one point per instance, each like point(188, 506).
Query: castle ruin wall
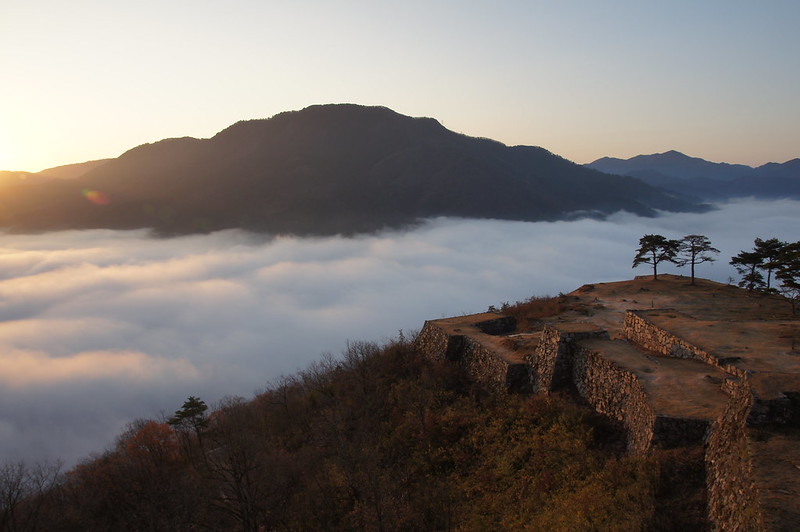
point(551, 362)
point(433, 341)
point(733, 500)
point(644, 333)
point(579, 357)
point(480, 361)
point(616, 393)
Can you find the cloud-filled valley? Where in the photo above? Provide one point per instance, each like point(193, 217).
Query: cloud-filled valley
point(98, 328)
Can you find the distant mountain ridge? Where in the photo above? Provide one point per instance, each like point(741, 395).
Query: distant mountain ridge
point(325, 169)
point(67, 171)
point(678, 172)
point(71, 171)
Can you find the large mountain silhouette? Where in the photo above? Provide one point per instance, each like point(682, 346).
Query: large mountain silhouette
point(693, 176)
point(323, 170)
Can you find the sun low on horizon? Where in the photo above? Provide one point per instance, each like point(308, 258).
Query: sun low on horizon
point(719, 80)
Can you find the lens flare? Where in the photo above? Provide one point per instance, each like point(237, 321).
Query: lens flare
point(95, 196)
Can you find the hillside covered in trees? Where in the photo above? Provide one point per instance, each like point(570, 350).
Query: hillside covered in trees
point(381, 439)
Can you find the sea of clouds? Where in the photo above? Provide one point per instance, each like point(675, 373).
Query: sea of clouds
point(98, 328)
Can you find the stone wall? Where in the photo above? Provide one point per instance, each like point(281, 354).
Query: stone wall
point(551, 362)
point(484, 366)
point(543, 360)
point(616, 393)
point(571, 357)
point(732, 495)
point(641, 331)
point(433, 341)
point(481, 362)
point(733, 502)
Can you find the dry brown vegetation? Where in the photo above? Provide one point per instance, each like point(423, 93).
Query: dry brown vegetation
point(529, 313)
point(379, 439)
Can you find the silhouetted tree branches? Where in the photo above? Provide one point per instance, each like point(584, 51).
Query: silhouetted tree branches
point(655, 249)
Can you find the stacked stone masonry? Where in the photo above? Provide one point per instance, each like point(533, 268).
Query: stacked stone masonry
point(732, 494)
point(469, 348)
point(616, 393)
point(639, 330)
point(635, 377)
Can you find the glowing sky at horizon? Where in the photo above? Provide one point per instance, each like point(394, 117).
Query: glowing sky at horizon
point(86, 80)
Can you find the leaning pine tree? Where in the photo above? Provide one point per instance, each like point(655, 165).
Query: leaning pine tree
point(654, 249)
point(747, 264)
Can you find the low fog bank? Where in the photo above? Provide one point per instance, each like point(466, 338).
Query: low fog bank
point(100, 327)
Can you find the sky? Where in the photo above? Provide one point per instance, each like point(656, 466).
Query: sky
point(718, 79)
point(100, 328)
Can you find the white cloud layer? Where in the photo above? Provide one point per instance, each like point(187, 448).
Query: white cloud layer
point(101, 327)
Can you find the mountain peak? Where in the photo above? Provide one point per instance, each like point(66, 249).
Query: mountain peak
point(681, 173)
point(325, 169)
point(671, 163)
point(675, 154)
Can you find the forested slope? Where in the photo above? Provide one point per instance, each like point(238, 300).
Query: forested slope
point(381, 439)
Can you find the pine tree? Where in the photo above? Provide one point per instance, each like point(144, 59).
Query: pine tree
point(654, 249)
point(770, 252)
point(747, 264)
point(695, 249)
point(788, 272)
point(191, 416)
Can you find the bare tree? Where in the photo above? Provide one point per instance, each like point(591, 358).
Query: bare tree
point(22, 493)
